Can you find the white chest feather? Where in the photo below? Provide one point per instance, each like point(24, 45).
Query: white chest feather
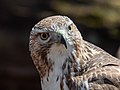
point(54, 79)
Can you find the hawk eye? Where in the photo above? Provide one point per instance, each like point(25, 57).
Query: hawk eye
point(44, 36)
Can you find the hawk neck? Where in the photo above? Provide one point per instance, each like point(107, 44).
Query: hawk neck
point(55, 78)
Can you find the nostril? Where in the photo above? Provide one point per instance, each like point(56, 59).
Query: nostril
point(58, 36)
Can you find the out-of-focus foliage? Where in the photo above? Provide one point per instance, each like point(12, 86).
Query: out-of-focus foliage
point(91, 13)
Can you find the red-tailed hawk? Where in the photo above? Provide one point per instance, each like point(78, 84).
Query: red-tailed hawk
point(67, 62)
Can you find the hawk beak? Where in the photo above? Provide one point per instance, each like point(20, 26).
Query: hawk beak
point(63, 41)
point(61, 34)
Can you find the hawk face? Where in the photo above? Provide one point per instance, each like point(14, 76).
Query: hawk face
point(51, 38)
point(52, 42)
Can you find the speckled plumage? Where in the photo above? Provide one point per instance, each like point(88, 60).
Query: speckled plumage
point(67, 62)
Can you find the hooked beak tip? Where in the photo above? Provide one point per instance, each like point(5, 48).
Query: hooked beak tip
point(63, 42)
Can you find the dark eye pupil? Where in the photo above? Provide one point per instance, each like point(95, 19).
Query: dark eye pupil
point(69, 27)
point(44, 36)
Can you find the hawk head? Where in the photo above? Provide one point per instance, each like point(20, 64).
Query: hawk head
point(53, 44)
point(52, 39)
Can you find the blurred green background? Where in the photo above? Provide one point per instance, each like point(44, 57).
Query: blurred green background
point(97, 20)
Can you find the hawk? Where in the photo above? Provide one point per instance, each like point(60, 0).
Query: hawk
point(67, 62)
